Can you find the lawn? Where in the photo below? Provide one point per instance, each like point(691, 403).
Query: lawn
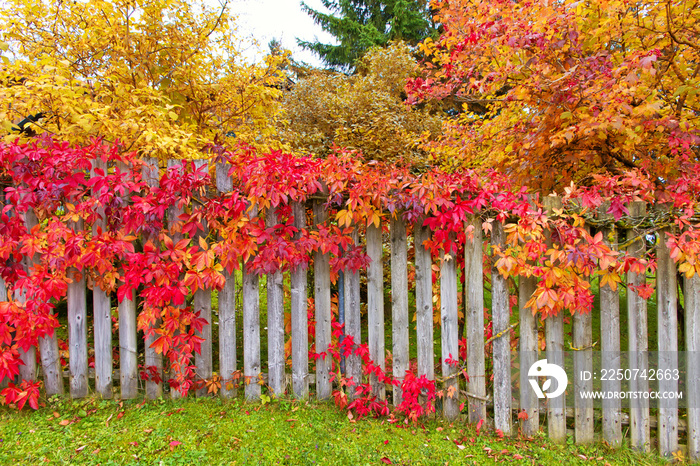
point(211, 431)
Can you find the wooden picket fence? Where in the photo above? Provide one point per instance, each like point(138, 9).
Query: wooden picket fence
point(498, 405)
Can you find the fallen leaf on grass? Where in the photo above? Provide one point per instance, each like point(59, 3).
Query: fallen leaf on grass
point(79, 449)
point(461, 447)
point(65, 422)
point(173, 444)
point(386, 460)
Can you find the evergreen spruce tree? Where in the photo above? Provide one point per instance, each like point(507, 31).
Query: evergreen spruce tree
point(361, 24)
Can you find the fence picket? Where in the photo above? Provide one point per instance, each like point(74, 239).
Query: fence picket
point(27, 370)
point(449, 336)
point(529, 403)
point(638, 341)
point(666, 289)
point(251, 328)
point(474, 297)
point(583, 361)
point(227, 308)
point(152, 359)
point(610, 348)
point(300, 328)
point(322, 299)
point(399, 303)
point(353, 326)
point(691, 294)
point(275, 322)
point(128, 349)
point(375, 305)
point(554, 334)
point(77, 332)
point(500, 309)
point(202, 304)
point(424, 303)
point(102, 310)
point(175, 231)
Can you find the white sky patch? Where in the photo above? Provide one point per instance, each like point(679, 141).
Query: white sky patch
point(260, 21)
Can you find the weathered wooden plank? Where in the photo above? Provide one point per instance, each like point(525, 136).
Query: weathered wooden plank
point(424, 303)
point(583, 361)
point(529, 403)
point(500, 310)
point(175, 229)
point(638, 340)
point(128, 349)
point(128, 352)
point(692, 347)
point(251, 329)
point(322, 299)
point(77, 332)
point(152, 359)
point(474, 328)
point(353, 326)
point(275, 322)
point(101, 307)
point(375, 305)
point(399, 303)
point(610, 349)
point(202, 304)
point(227, 308)
point(449, 336)
point(667, 320)
point(554, 334)
point(300, 326)
point(27, 371)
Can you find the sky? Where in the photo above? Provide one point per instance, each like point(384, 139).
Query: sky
point(284, 20)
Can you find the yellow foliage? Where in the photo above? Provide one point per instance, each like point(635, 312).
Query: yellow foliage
point(162, 77)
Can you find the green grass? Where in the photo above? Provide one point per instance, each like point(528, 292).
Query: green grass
point(211, 431)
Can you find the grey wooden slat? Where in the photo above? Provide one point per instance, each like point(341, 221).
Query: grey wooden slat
point(692, 346)
point(322, 298)
point(610, 349)
point(353, 363)
point(500, 309)
point(424, 303)
point(275, 323)
point(529, 403)
point(583, 361)
point(151, 174)
point(300, 327)
point(227, 308)
point(449, 336)
point(77, 333)
point(399, 303)
point(27, 371)
point(251, 329)
point(375, 305)
point(474, 328)
point(128, 351)
point(102, 309)
point(667, 321)
point(638, 340)
point(554, 334)
point(202, 304)
point(173, 214)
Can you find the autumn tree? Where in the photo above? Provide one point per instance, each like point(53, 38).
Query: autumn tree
point(162, 77)
point(553, 92)
point(365, 112)
point(359, 25)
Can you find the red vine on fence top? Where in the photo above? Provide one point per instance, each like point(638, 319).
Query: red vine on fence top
point(137, 251)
